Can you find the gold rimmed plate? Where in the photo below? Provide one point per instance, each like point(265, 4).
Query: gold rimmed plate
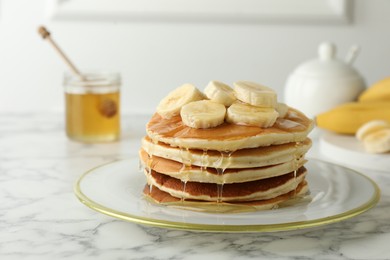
point(337, 193)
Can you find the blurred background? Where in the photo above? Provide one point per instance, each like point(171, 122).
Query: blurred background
point(159, 45)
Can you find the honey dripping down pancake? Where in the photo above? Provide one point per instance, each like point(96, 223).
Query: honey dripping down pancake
point(163, 198)
point(196, 173)
point(244, 191)
point(244, 158)
point(225, 150)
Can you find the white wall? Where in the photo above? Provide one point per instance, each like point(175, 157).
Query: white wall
point(157, 57)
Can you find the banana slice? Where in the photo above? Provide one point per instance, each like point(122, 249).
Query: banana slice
point(378, 141)
point(244, 114)
point(255, 94)
point(371, 127)
point(282, 109)
point(220, 93)
point(171, 105)
point(203, 114)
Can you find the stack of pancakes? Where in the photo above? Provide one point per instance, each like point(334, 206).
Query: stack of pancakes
point(227, 168)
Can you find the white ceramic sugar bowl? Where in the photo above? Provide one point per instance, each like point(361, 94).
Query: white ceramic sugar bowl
point(321, 84)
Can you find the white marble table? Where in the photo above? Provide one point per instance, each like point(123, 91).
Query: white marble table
point(40, 217)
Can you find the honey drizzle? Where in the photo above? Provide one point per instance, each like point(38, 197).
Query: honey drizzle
point(148, 169)
point(204, 161)
point(223, 164)
point(296, 164)
point(149, 163)
point(185, 155)
point(220, 172)
point(184, 171)
point(184, 185)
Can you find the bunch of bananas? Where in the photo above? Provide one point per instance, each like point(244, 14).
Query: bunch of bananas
point(368, 118)
point(372, 104)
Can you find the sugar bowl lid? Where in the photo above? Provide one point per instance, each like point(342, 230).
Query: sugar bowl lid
point(328, 65)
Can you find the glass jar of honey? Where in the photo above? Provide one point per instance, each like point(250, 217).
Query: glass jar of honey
point(92, 106)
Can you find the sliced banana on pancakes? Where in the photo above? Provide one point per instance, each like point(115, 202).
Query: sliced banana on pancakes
point(282, 110)
point(244, 114)
point(375, 136)
point(171, 105)
point(248, 104)
point(203, 114)
point(220, 93)
point(255, 94)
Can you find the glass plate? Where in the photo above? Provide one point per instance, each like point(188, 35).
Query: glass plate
point(337, 193)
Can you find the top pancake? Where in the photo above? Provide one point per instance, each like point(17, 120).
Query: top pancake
point(294, 127)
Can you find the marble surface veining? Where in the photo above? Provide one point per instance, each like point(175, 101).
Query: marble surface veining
point(40, 217)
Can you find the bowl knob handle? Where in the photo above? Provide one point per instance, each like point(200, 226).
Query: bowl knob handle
point(326, 51)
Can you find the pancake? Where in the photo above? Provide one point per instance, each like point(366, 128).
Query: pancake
point(163, 198)
point(229, 137)
point(194, 173)
point(248, 191)
point(198, 155)
point(244, 158)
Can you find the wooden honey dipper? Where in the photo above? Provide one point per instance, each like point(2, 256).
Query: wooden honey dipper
point(108, 107)
point(46, 36)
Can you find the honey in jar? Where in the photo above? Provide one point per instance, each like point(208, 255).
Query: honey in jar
point(93, 107)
